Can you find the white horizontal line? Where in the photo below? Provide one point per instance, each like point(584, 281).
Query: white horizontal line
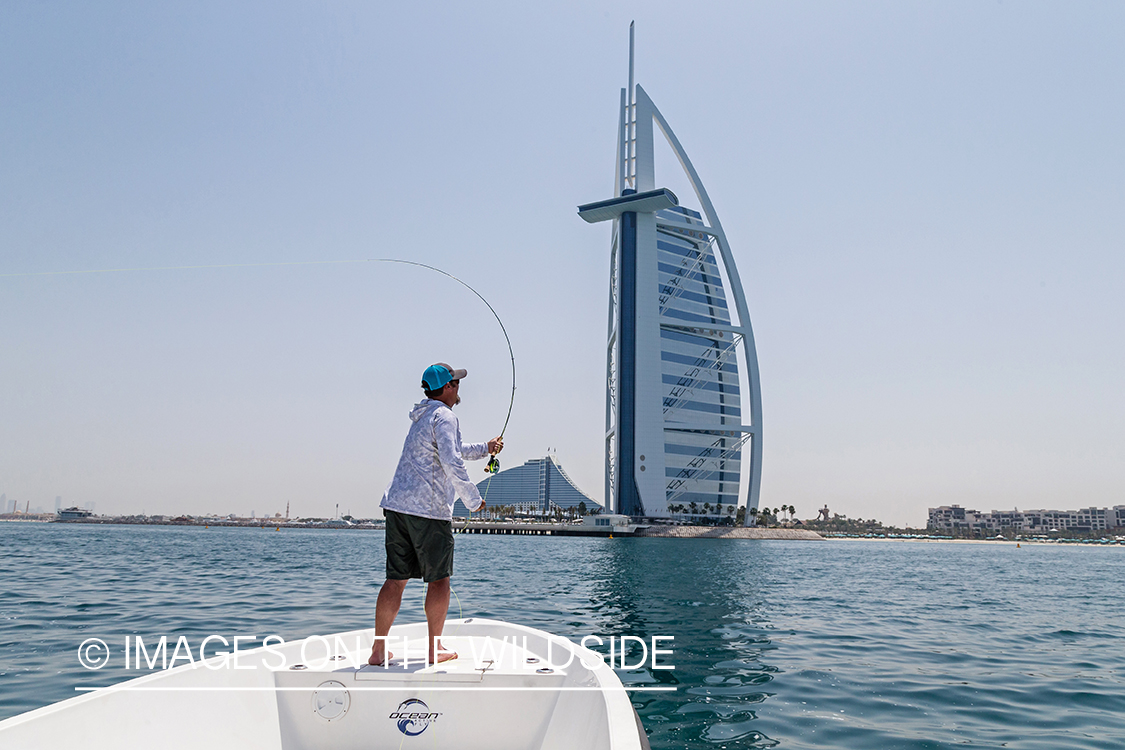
point(366, 689)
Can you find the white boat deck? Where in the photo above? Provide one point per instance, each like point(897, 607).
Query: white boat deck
point(510, 687)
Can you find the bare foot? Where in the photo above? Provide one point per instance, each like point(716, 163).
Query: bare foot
point(378, 661)
point(442, 655)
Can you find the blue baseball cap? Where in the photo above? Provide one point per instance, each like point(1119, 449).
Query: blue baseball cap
point(437, 375)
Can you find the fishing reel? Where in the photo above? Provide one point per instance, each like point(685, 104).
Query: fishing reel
point(493, 465)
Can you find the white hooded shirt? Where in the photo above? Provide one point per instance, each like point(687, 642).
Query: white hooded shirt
point(431, 473)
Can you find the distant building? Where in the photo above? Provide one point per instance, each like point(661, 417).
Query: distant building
point(954, 517)
point(58, 504)
point(536, 488)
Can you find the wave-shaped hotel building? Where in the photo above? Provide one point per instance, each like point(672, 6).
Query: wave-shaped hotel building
point(683, 401)
point(539, 487)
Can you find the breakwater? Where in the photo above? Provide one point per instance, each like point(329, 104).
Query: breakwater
point(673, 532)
point(497, 528)
point(728, 532)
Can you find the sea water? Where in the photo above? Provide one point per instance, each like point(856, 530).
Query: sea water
point(832, 644)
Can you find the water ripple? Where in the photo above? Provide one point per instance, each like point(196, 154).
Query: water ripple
point(776, 644)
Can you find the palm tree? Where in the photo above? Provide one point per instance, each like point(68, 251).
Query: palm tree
point(754, 514)
point(694, 507)
point(792, 512)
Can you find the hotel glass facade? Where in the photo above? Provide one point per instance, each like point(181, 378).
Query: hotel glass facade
point(699, 369)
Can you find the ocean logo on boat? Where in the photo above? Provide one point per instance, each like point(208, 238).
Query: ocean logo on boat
point(413, 716)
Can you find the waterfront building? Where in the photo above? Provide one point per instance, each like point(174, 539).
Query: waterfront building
point(74, 514)
point(954, 517)
point(683, 402)
point(537, 488)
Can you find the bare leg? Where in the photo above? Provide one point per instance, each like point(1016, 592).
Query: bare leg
point(437, 604)
point(386, 609)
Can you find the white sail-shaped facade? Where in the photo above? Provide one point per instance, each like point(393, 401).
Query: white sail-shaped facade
point(683, 401)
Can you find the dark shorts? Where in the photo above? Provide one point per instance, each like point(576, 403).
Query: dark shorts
point(418, 547)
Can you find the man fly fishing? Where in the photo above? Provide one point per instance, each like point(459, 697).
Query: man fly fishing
point(418, 506)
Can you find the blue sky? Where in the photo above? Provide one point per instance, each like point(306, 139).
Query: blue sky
point(925, 202)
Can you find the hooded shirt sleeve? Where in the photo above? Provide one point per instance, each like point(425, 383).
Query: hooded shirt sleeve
point(448, 438)
point(474, 451)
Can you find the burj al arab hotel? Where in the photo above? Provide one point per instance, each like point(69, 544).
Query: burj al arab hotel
point(683, 401)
